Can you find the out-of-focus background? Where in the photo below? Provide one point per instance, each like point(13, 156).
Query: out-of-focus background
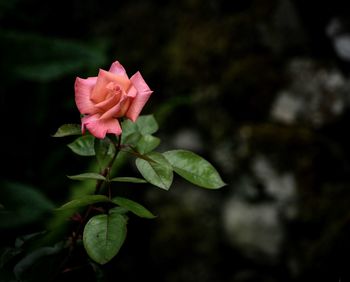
point(261, 88)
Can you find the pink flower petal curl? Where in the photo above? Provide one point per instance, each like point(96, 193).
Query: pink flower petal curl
point(83, 89)
point(100, 91)
point(143, 94)
point(100, 127)
point(118, 69)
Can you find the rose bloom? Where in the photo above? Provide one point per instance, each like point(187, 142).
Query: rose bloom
point(111, 95)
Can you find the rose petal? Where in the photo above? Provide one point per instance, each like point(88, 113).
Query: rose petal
point(140, 84)
point(100, 127)
point(118, 69)
point(104, 77)
point(125, 106)
point(144, 92)
point(132, 92)
point(83, 89)
point(116, 111)
point(108, 103)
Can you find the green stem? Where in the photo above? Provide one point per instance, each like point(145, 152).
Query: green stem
point(106, 173)
point(107, 170)
point(137, 154)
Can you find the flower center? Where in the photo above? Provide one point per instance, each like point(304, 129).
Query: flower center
point(113, 89)
point(113, 96)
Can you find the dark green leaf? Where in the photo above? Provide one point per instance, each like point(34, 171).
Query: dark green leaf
point(131, 139)
point(103, 236)
point(133, 131)
point(156, 170)
point(105, 151)
point(83, 146)
point(130, 133)
point(27, 262)
point(21, 205)
point(7, 254)
point(119, 210)
point(67, 130)
point(49, 58)
point(128, 179)
point(147, 143)
point(128, 127)
point(83, 201)
point(134, 207)
point(147, 124)
point(194, 169)
point(87, 176)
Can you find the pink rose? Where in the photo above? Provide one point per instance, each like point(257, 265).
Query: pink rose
point(111, 95)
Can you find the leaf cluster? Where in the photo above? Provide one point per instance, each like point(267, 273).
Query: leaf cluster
point(104, 233)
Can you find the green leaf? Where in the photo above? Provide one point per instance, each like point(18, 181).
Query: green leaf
point(7, 254)
point(48, 58)
point(128, 127)
point(147, 124)
point(134, 207)
point(83, 201)
point(83, 146)
point(67, 130)
point(133, 131)
point(128, 179)
point(29, 261)
point(147, 143)
point(21, 205)
point(87, 176)
point(119, 210)
point(130, 132)
point(131, 139)
point(156, 170)
point(105, 151)
point(103, 236)
point(194, 168)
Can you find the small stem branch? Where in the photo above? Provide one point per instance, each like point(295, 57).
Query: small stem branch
point(109, 191)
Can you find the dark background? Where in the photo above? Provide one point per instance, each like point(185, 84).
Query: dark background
point(258, 87)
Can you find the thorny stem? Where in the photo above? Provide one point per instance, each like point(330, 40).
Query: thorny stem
point(99, 183)
point(77, 233)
